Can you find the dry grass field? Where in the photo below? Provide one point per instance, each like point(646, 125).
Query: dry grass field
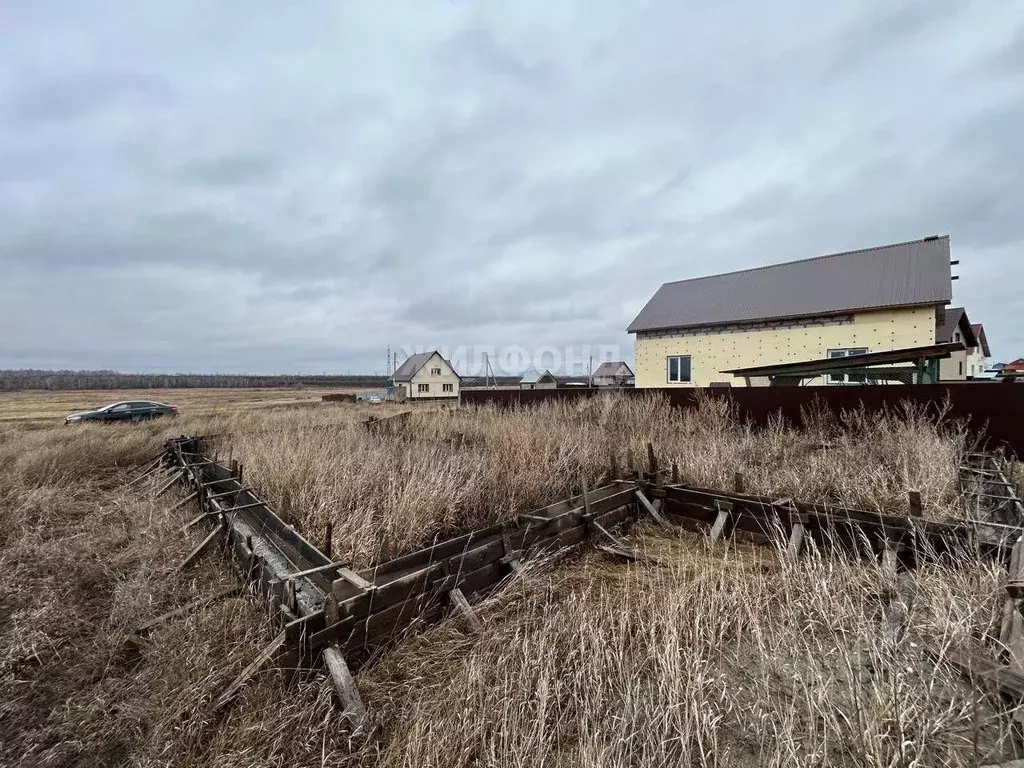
point(714, 655)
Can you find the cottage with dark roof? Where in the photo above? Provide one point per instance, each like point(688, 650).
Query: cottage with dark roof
point(873, 300)
point(614, 373)
point(427, 376)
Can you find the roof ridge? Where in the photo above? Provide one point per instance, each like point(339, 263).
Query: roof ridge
point(812, 258)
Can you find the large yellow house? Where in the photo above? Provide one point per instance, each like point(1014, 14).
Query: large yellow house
point(843, 304)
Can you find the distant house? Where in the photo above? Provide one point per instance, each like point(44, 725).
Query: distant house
point(952, 326)
point(427, 376)
point(1017, 366)
point(873, 300)
point(614, 373)
point(534, 379)
point(977, 356)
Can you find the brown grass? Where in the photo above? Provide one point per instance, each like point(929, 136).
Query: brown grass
point(454, 470)
point(722, 656)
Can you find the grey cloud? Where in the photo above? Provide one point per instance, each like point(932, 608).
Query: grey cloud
point(288, 197)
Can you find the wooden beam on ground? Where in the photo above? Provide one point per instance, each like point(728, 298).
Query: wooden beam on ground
point(264, 657)
point(202, 547)
point(463, 607)
point(650, 508)
point(344, 685)
point(147, 626)
point(319, 569)
point(197, 520)
point(169, 483)
point(184, 501)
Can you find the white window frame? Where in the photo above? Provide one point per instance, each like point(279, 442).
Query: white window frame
point(844, 378)
point(435, 371)
point(447, 387)
point(421, 388)
point(679, 378)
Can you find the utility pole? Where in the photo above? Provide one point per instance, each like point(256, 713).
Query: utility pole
point(590, 373)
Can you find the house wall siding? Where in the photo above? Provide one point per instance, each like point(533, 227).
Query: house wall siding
point(713, 350)
point(423, 376)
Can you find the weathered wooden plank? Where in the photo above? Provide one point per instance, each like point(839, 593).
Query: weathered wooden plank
point(721, 520)
point(190, 607)
point(461, 604)
point(354, 579)
point(344, 685)
point(650, 508)
point(265, 656)
point(202, 547)
point(184, 501)
point(175, 478)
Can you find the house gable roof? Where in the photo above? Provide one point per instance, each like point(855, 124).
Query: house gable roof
point(533, 376)
point(414, 363)
point(611, 368)
point(979, 334)
point(955, 319)
point(903, 274)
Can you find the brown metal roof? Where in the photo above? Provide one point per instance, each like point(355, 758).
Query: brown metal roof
point(825, 365)
point(979, 334)
point(954, 319)
point(611, 368)
point(903, 274)
point(413, 363)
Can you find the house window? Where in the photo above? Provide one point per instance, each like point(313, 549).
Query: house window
point(960, 368)
point(446, 387)
point(435, 371)
point(679, 368)
point(956, 336)
point(423, 388)
point(844, 378)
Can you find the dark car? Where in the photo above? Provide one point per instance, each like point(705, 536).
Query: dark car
point(127, 411)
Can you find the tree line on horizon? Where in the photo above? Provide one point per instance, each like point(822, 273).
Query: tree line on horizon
point(13, 380)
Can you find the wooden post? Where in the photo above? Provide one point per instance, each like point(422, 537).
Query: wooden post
point(914, 498)
point(586, 500)
point(238, 474)
point(796, 536)
point(738, 482)
point(724, 512)
point(652, 460)
point(630, 460)
point(890, 559)
point(233, 468)
point(675, 473)
point(328, 536)
point(616, 471)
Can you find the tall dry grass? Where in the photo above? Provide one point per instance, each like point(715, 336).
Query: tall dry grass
point(721, 656)
point(453, 470)
point(718, 657)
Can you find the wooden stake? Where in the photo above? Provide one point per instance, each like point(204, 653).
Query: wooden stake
point(184, 501)
point(650, 508)
point(652, 461)
point(170, 482)
point(724, 512)
point(462, 606)
point(914, 498)
point(630, 460)
point(738, 483)
point(344, 685)
point(616, 471)
point(203, 546)
point(675, 473)
point(266, 655)
point(328, 537)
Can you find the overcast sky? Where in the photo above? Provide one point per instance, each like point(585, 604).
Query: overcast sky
point(278, 187)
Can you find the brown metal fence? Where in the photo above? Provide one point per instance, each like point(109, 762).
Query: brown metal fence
point(992, 409)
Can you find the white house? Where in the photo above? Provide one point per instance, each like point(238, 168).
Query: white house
point(614, 373)
point(427, 376)
point(534, 379)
